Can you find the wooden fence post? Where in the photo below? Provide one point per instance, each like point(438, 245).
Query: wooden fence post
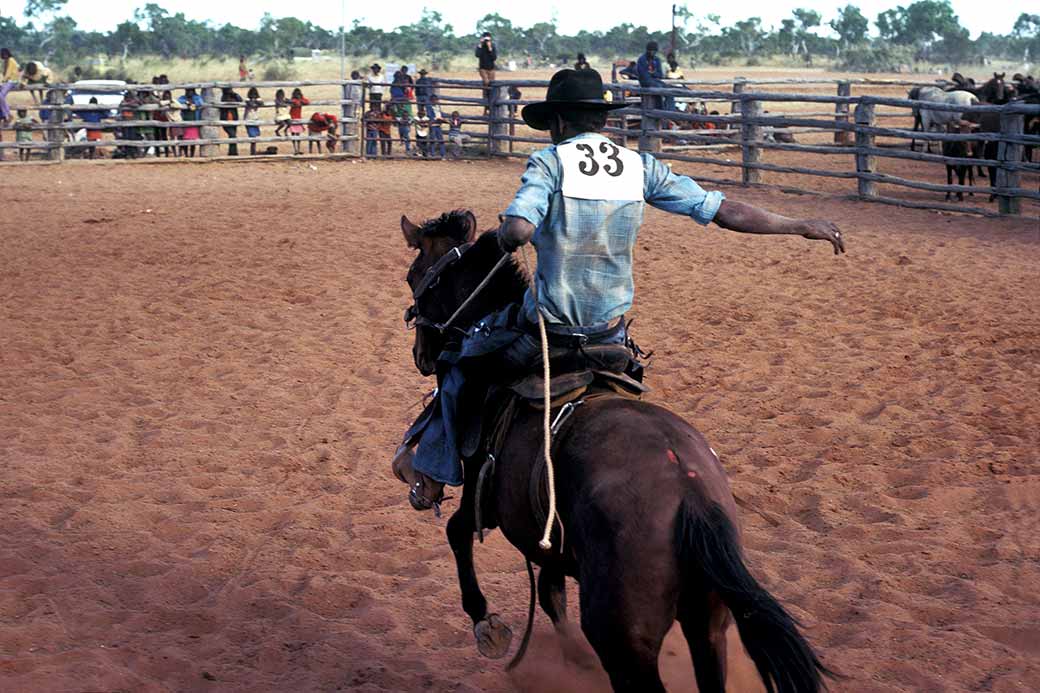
point(209, 112)
point(1011, 124)
point(841, 113)
point(738, 88)
point(362, 125)
point(498, 114)
point(750, 135)
point(865, 163)
point(56, 136)
point(348, 111)
point(647, 124)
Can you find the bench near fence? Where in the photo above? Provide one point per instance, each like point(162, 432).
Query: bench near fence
point(853, 125)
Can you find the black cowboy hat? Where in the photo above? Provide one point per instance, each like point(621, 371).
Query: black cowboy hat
point(569, 89)
point(375, 66)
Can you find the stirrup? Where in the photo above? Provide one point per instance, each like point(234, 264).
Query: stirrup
point(420, 501)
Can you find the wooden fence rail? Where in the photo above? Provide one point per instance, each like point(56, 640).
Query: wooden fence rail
point(851, 129)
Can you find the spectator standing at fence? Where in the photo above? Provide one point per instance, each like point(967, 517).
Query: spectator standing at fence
point(252, 117)
point(229, 96)
point(281, 113)
point(317, 127)
point(148, 105)
point(92, 117)
point(9, 76)
point(376, 84)
point(386, 119)
point(581, 63)
point(372, 118)
point(397, 90)
point(128, 133)
point(296, 104)
point(23, 134)
point(353, 108)
point(436, 116)
point(486, 54)
point(191, 112)
point(404, 127)
point(422, 135)
point(423, 92)
point(409, 89)
point(165, 114)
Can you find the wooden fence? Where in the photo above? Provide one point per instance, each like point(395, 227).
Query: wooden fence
point(851, 126)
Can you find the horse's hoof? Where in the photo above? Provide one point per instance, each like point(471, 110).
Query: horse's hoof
point(493, 637)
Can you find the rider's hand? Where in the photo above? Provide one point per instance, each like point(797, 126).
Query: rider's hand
point(819, 230)
point(507, 245)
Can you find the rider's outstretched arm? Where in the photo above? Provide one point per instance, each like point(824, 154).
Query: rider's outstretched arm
point(745, 218)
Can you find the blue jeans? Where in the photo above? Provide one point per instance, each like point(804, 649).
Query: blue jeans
point(405, 131)
point(371, 142)
point(504, 343)
point(437, 141)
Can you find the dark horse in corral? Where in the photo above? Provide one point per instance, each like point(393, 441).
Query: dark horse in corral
point(649, 525)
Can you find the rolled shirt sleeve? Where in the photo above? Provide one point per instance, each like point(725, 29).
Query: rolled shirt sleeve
point(679, 194)
point(537, 186)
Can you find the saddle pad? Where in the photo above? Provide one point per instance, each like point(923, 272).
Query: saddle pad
point(595, 169)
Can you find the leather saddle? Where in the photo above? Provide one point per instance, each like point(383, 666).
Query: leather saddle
point(571, 370)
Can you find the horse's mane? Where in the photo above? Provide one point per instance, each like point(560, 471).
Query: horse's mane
point(456, 225)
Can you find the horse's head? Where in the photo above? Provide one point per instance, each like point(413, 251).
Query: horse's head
point(435, 291)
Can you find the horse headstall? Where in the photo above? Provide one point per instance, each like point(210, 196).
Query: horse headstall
point(413, 317)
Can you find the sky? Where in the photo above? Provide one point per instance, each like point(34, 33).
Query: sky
point(571, 17)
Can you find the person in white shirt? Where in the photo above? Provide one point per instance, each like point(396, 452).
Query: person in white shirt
point(376, 84)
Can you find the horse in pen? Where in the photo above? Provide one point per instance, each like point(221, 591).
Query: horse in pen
point(651, 536)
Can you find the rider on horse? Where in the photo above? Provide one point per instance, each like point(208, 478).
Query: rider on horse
point(580, 203)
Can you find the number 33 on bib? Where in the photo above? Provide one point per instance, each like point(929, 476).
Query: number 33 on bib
point(594, 169)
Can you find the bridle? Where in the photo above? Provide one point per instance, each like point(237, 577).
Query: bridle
point(413, 317)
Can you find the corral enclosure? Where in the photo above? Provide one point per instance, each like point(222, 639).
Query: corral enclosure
point(851, 134)
point(204, 373)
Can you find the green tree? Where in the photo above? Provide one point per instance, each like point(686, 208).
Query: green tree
point(850, 25)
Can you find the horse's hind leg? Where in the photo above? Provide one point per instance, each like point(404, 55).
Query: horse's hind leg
point(704, 619)
point(626, 628)
point(493, 636)
point(552, 596)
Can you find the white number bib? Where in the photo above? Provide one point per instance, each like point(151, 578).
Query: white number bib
point(595, 169)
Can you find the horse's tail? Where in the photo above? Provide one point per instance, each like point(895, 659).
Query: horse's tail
point(709, 556)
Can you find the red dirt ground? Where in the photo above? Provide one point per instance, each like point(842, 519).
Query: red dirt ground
point(204, 372)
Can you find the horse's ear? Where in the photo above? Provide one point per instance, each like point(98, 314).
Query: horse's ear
point(471, 225)
point(411, 232)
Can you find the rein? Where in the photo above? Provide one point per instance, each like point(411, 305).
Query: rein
point(414, 318)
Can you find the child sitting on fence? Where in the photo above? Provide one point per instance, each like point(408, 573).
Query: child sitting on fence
point(23, 134)
point(281, 113)
point(296, 104)
point(455, 134)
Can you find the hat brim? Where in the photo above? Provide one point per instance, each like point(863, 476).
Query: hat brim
point(539, 115)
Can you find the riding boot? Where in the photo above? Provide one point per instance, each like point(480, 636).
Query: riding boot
point(424, 493)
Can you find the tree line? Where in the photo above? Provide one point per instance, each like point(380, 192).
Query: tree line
point(926, 30)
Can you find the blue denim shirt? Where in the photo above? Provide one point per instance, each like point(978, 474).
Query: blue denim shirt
point(584, 274)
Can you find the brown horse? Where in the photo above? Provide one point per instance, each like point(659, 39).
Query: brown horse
point(649, 526)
